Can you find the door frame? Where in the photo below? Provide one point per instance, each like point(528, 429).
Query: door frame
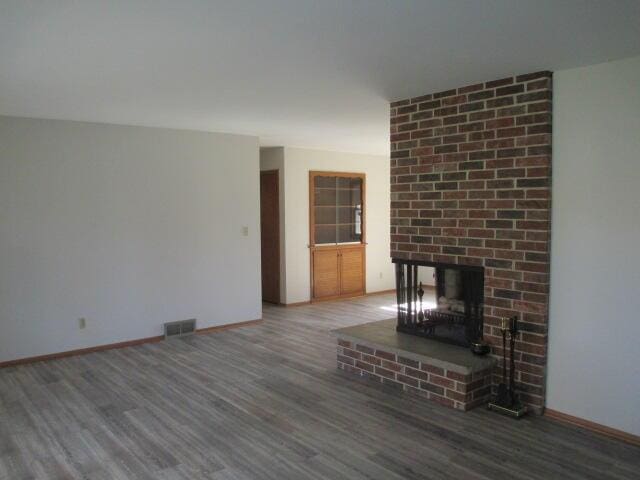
point(277, 232)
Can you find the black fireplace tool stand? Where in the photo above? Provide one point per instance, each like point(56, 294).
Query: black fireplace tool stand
point(506, 400)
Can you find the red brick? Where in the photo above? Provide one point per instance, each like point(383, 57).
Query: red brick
point(511, 132)
point(364, 366)
point(412, 372)
point(471, 88)
point(500, 123)
point(371, 359)
point(442, 381)
point(351, 353)
point(432, 388)
point(460, 397)
point(458, 376)
point(396, 367)
point(499, 83)
point(432, 369)
point(454, 100)
point(386, 355)
point(347, 360)
point(385, 373)
point(407, 380)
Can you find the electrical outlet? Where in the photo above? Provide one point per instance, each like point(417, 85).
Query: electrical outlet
point(380, 274)
point(245, 231)
point(82, 323)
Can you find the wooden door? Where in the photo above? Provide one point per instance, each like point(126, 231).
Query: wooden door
point(352, 271)
point(270, 235)
point(326, 273)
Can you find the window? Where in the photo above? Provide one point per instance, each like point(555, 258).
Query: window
point(337, 208)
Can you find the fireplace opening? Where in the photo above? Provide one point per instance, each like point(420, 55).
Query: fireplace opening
point(457, 315)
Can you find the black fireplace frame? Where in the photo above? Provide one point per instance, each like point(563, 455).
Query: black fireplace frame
point(415, 322)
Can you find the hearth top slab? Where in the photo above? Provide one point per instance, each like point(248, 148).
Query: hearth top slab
point(382, 335)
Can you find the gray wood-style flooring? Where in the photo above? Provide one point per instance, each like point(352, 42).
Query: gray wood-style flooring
point(266, 402)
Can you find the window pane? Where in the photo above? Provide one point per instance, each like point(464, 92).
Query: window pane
point(326, 215)
point(325, 196)
point(325, 182)
point(347, 233)
point(349, 182)
point(325, 234)
point(346, 215)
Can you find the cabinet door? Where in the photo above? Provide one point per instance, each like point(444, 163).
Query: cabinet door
point(326, 273)
point(352, 271)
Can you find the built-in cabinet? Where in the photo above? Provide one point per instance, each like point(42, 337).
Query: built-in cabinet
point(337, 234)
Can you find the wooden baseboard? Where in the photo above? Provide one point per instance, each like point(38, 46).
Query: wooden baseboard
point(80, 351)
point(380, 292)
point(112, 346)
point(228, 326)
point(334, 299)
point(338, 298)
point(296, 304)
point(592, 426)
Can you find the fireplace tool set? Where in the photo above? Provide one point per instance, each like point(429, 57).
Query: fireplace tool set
point(506, 400)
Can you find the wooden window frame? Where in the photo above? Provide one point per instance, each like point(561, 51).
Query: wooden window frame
point(363, 216)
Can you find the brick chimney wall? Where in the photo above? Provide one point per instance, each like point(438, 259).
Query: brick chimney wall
point(471, 184)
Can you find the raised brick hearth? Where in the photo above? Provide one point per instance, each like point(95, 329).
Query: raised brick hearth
point(445, 374)
point(470, 183)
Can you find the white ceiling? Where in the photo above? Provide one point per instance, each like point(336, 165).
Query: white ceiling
point(311, 73)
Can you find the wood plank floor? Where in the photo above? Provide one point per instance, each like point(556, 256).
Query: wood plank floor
point(266, 402)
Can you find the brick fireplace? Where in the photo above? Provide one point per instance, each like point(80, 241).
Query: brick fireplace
point(470, 185)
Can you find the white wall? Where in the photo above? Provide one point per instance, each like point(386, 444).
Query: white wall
point(272, 158)
point(298, 163)
point(129, 227)
point(594, 328)
point(426, 275)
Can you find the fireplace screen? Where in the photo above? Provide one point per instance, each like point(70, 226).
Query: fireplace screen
point(455, 315)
